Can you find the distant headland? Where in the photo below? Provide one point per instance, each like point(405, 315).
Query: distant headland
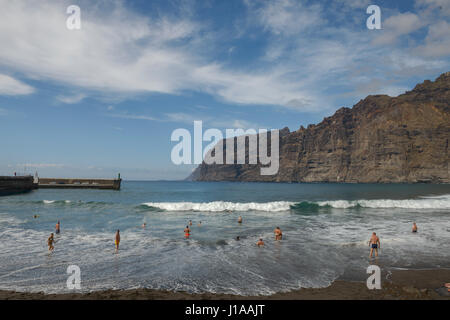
point(382, 139)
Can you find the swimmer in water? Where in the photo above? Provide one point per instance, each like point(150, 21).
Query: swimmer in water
point(50, 242)
point(117, 241)
point(278, 233)
point(143, 225)
point(237, 238)
point(414, 227)
point(190, 222)
point(36, 216)
point(199, 224)
point(240, 219)
point(374, 244)
point(187, 232)
point(58, 228)
point(260, 242)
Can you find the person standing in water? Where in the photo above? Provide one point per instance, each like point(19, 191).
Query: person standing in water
point(374, 244)
point(190, 222)
point(117, 240)
point(278, 233)
point(58, 228)
point(260, 242)
point(187, 232)
point(50, 242)
point(199, 224)
point(414, 227)
point(240, 219)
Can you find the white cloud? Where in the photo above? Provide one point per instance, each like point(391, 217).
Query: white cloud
point(40, 165)
point(437, 41)
point(288, 17)
point(122, 52)
point(71, 99)
point(11, 87)
point(119, 53)
point(132, 116)
point(396, 26)
point(188, 119)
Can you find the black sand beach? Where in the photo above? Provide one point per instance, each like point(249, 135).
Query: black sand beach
point(401, 285)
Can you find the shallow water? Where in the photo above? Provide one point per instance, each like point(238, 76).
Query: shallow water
point(325, 228)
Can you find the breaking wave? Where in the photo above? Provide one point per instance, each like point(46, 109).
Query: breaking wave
point(220, 206)
point(439, 202)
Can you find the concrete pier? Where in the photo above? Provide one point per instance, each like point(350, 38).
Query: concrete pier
point(13, 185)
point(74, 183)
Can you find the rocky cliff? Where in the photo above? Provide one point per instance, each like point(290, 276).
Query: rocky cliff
point(382, 139)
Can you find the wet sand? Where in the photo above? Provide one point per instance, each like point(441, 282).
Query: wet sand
point(400, 285)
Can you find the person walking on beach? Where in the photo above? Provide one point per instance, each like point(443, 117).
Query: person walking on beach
point(260, 242)
point(414, 227)
point(374, 244)
point(187, 232)
point(278, 233)
point(117, 240)
point(240, 219)
point(58, 228)
point(50, 242)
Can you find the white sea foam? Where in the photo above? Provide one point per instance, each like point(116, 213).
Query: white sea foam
point(439, 202)
point(49, 201)
point(218, 206)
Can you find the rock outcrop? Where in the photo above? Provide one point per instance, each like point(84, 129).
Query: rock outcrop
point(382, 139)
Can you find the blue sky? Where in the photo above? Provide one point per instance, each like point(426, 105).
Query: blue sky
point(106, 98)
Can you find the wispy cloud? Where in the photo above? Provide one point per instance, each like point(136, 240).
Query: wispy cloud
point(132, 116)
point(11, 87)
point(286, 17)
point(119, 52)
point(397, 26)
point(72, 99)
point(38, 165)
point(188, 119)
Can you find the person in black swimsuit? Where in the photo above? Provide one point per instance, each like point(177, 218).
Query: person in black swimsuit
point(374, 244)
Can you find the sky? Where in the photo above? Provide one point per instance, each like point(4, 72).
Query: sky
point(105, 98)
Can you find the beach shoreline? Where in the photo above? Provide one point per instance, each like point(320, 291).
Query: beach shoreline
point(399, 285)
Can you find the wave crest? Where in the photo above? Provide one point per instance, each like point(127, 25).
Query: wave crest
point(221, 206)
point(439, 202)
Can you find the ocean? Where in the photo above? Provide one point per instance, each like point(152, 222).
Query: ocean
point(325, 228)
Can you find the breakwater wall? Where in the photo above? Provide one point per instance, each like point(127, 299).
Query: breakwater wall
point(74, 183)
point(13, 185)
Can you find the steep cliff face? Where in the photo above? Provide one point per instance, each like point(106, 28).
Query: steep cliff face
point(381, 139)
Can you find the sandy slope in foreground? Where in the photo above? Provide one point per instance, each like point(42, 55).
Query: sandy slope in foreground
point(408, 284)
